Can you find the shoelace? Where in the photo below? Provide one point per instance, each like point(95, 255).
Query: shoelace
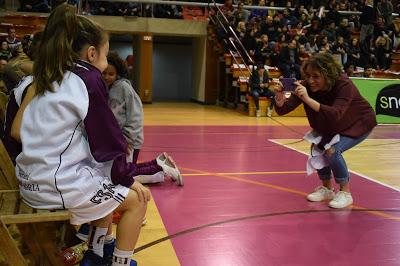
point(340, 196)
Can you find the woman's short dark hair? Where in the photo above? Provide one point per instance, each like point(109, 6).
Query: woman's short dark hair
point(326, 64)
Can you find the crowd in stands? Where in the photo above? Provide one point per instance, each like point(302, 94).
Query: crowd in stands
point(15, 59)
point(104, 8)
point(285, 38)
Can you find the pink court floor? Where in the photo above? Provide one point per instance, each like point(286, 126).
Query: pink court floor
point(243, 202)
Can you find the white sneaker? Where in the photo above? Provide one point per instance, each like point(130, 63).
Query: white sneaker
point(321, 193)
point(179, 180)
point(258, 113)
point(342, 199)
point(269, 112)
point(169, 167)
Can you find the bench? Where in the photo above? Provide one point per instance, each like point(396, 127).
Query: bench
point(264, 103)
point(41, 232)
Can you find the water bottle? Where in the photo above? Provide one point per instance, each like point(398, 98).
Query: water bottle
point(74, 254)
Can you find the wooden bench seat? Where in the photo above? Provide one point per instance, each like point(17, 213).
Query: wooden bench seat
point(265, 102)
point(42, 232)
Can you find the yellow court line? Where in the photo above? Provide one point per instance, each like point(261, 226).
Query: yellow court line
point(246, 173)
point(294, 191)
point(162, 253)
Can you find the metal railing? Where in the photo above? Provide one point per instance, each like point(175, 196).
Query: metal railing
point(230, 38)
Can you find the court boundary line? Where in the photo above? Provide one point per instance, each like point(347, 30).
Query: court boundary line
point(351, 171)
point(256, 216)
point(244, 173)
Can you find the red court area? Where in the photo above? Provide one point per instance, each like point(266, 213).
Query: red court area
point(244, 203)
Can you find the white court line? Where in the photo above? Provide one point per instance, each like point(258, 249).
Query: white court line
point(354, 172)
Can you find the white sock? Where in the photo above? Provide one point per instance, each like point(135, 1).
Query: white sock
point(122, 257)
point(109, 239)
point(96, 239)
point(149, 179)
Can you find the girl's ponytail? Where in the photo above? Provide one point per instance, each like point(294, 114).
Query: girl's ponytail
point(56, 54)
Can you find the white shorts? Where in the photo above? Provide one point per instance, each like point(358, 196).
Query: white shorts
point(107, 198)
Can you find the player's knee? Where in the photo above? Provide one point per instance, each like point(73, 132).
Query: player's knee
point(133, 202)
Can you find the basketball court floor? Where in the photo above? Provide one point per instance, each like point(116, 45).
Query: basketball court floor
point(244, 203)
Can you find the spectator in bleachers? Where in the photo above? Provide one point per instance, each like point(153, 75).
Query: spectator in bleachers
point(228, 8)
point(323, 41)
point(367, 52)
point(289, 62)
point(383, 48)
point(368, 71)
point(120, 9)
point(305, 19)
point(167, 11)
point(330, 31)
point(311, 45)
point(344, 6)
point(333, 15)
point(385, 9)
point(268, 27)
point(380, 27)
point(3, 63)
point(299, 10)
point(240, 13)
point(34, 6)
point(21, 65)
point(340, 48)
point(259, 87)
point(147, 11)
point(367, 19)
point(5, 51)
point(249, 40)
point(315, 27)
point(101, 8)
point(278, 46)
point(354, 19)
point(259, 13)
point(297, 32)
point(241, 30)
point(394, 33)
point(288, 18)
point(12, 40)
point(134, 9)
point(349, 69)
point(354, 52)
point(303, 54)
point(271, 12)
point(344, 30)
point(264, 51)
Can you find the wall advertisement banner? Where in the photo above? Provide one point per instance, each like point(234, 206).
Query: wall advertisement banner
point(384, 97)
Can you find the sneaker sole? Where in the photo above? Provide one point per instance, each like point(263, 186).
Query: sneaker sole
point(338, 207)
point(319, 200)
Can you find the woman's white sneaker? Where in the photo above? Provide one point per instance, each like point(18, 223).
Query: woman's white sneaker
point(321, 193)
point(342, 199)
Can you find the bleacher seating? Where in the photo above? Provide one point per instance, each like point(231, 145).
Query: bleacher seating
point(194, 13)
point(23, 24)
